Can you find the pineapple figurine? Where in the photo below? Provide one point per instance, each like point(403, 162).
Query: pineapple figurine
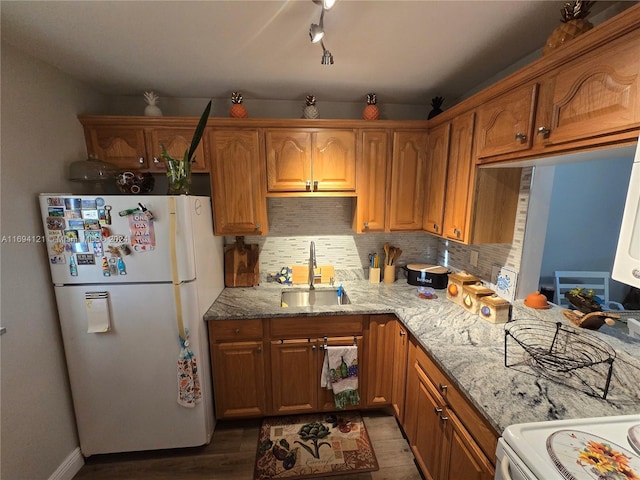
point(574, 23)
point(237, 109)
point(436, 104)
point(310, 111)
point(371, 111)
point(152, 109)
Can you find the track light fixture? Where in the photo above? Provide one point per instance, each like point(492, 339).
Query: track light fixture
point(316, 31)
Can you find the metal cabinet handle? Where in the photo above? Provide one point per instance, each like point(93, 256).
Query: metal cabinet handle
point(435, 227)
point(141, 160)
point(544, 131)
point(437, 410)
point(456, 232)
point(366, 224)
point(236, 331)
point(315, 185)
point(156, 160)
point(521, 136)
point(258, 225)
point(443, 419)
point(308, 185)
point(402, 333)
point(259, 349)
point(442, 387)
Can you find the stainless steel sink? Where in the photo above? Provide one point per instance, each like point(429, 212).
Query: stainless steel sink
point(305, 298)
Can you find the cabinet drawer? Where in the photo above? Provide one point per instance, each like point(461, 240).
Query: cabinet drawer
point(307, 327)
point(235, 329)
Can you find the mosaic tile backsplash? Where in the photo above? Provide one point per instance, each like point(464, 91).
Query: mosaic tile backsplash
point(295, 222)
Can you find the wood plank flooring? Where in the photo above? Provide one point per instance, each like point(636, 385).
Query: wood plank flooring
point(231, 456)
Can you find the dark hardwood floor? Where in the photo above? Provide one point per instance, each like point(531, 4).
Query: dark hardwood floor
point(231, 456)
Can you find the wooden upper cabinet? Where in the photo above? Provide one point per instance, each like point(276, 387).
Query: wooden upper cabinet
point(594, 95)
point(288, 160)
point(237, 182)
point(436, 179)
point(306, 160)
point(177, 140)
point(459, 179)
point(123, 146)
point(407, 181)
point(134, 143)
point(505, 124)
point(372, 181)
point(334, 160)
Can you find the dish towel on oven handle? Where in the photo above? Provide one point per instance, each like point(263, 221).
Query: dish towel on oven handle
point(340, 374)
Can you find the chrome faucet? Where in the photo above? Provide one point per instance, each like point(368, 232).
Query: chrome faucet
point(312, 265)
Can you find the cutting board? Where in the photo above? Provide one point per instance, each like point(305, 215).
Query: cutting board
point(300, 274)
point(241, 266)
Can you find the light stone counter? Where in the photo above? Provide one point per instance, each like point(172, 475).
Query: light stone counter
point(469, 349)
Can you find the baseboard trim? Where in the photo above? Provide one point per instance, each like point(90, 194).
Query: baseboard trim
point(69, 467)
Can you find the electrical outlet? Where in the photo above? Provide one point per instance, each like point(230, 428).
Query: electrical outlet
point(474, 258)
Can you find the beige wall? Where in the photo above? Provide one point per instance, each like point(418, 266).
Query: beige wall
point(40, 136)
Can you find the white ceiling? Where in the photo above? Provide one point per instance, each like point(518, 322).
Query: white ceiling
point(404, 51)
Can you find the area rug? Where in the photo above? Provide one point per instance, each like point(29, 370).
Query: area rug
point(308, 446)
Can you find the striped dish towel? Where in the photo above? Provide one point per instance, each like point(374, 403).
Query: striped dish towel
point(340, 374)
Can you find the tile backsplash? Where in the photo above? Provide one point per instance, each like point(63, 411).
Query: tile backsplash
point(295, 222)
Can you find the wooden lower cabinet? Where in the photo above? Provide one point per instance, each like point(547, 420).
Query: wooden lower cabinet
point(442, 444)
point(380, 359)
point(296, 365)
point(399, 382)
point(238, 367)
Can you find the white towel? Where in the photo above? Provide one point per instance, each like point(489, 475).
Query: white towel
point(340, 374)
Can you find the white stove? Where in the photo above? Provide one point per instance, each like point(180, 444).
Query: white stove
point(569, 449)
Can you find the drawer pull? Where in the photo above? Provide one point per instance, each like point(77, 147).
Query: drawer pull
point(236, 331)
point(308, 185)
point(315, 185)
point(435, 227)
point(313, 347)
point(402, 333)
point(259, 349)
point(442, 387)
point(156, 160)
point(444, 419)
point(437, 410)
point(141, 160)
point(544, 131)
point(366, 224)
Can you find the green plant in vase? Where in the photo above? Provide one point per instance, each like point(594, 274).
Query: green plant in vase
point(179, 169)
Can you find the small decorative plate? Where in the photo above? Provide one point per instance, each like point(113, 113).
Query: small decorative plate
point(633, 436)
point(583, 456)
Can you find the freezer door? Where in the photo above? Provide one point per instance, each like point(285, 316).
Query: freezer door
point(124, 381)
point(109, 239)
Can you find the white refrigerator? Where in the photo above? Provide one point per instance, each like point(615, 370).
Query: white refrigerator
point(130, 273)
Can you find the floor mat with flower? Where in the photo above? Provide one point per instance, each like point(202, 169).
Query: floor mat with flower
point(307, 446)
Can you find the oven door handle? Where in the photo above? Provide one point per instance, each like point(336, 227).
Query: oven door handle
point(504, 468)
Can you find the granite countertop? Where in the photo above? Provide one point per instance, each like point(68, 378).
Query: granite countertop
point(470, 350)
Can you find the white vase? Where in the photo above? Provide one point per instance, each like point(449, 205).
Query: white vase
point(152, 111)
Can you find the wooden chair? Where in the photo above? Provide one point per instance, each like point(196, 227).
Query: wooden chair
point(566, 280)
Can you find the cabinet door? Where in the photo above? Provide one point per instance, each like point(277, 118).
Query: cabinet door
point(239, 203)
point(326, 402)
point(177, 140)
point(288, 160)
point(594, 95)
point(505, 124)
point(122, 146)
point(429, 441)
point(400, 352)
point(461, 457)
point(372, 180)
point(238, 379)
point(295, 378)
point(380, 359)
point(334, 161)
point(435, 179)
point(458, 191)
point(407, 181)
